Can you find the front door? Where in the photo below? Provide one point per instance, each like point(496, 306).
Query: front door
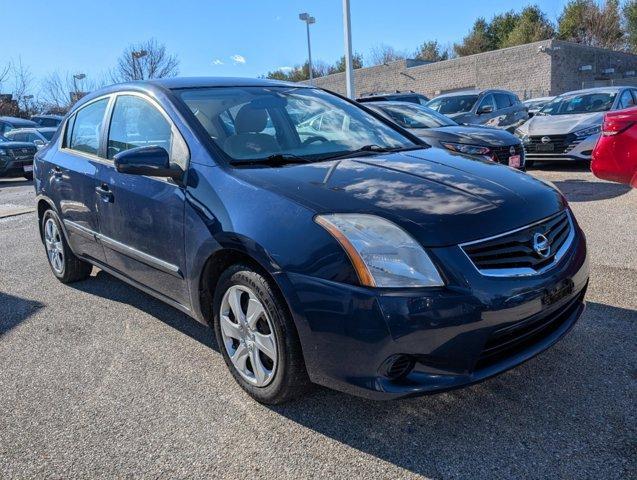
point(142, 218)
point(72, 178)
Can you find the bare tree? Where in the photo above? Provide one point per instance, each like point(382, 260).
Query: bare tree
point(22, 84)
point(145, 60)
point(57, 90)
point(383, 54)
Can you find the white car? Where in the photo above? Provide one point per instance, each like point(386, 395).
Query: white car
point(567, 128)
point(37, 136)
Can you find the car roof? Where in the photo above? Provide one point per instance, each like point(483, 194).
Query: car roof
point(537, 99)
point(475, 92)
point(18, 121)
point(595, 90)
point(199, 82)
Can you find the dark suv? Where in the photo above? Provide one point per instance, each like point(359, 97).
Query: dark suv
point(356, 257)
point(494, 108)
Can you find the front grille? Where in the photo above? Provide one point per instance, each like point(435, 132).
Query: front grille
point(518, 249)
point(512, 339)
point(502, 154)
point(561, 144)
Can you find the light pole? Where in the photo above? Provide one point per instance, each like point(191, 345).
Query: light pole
point(309, 20)
point(137, 54)
point(349, 69)
point(76, 77)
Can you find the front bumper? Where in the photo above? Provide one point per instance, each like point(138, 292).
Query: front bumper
point(569, 149)
point(13, 167)
point(474, 328)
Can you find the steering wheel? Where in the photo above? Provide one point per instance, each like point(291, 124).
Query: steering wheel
point(315, 138)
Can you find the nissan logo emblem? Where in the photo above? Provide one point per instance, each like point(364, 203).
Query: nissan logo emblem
point(541, 245)
point(545, 139)
point(512, 150)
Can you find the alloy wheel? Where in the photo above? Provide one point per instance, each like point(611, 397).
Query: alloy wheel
point(54, 246)
point(248, 335)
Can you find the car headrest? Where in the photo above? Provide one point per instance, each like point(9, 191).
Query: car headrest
point(250, 119)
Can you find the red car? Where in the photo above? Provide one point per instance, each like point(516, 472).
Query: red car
point(615, 155)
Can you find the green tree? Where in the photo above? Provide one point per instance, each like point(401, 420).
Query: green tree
point(630, 24)
point(477, 41)
point(431, 51)
point(339, 66)
point(531, 26)
point(501, 27)
point(586, 22)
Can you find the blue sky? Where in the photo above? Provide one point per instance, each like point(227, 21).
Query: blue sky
point(227, 38)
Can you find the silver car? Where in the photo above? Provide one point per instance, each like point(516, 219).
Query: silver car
point(567, 128)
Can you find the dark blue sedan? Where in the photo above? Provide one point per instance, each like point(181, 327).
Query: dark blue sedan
point(323, 243)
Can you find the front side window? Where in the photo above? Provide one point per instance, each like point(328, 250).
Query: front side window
point(583, 103)
point(85, 133)
point(254, 123)
point(137, 123)
point(486, 102)
point(453, 104)
point(48, 134)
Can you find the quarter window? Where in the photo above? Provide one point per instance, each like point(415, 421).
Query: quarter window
point(136, 123)
point(86, 127)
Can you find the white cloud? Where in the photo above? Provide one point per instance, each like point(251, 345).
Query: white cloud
point(236, 58)
point(216, 61)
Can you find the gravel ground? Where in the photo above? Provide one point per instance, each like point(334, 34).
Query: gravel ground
point(100, 380)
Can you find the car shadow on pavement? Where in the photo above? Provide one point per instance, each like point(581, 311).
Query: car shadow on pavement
point(585, 191)
point(561, 412)
point(107, 286)
point(15, 310)
point(14, 182)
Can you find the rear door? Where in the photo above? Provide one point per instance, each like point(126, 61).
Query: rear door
point(142, 218)
point(70, 172)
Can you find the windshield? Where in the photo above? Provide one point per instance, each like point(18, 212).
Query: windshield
point(48, 134)
point(586, 103)
point(254, 123)
point(453, 104)
point(414, 116)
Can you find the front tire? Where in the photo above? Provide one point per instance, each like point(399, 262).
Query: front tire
point(66, 267)
point(257, 337)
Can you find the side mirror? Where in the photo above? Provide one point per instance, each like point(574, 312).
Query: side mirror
point(151, 160)
point(485, 109)
point(38, 143)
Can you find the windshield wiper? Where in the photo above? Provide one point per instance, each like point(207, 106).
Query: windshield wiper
point(370, 149)
point(275, 160)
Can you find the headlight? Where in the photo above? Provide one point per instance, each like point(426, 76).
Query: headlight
point(382, 253)
point(468, 149)
point(587, 132)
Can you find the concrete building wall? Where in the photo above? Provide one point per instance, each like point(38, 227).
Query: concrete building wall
point(542, 68)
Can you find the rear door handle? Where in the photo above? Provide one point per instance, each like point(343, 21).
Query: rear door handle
point(57, 172)
point(105, 193)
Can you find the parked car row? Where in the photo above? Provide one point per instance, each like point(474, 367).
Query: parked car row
point(19, 140)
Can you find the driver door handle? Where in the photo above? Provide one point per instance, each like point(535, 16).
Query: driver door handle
point(105, 193)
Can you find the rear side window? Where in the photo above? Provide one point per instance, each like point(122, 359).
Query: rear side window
point(85, 133)
point(626, 100)
point(136, 123)
point(502, 100)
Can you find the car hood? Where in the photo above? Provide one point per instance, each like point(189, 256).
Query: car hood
point(561, 124)
point(440, 197)
point(475, 135)
point(14, 145)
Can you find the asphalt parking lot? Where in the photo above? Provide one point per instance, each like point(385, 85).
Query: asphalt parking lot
point(100, 380)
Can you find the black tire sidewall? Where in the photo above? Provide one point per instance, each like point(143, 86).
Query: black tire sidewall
point(245, 276)
point(50, 214)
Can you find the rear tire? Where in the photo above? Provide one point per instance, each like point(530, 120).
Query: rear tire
point(66, 267)
point(28, 176)
point(280, 374)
